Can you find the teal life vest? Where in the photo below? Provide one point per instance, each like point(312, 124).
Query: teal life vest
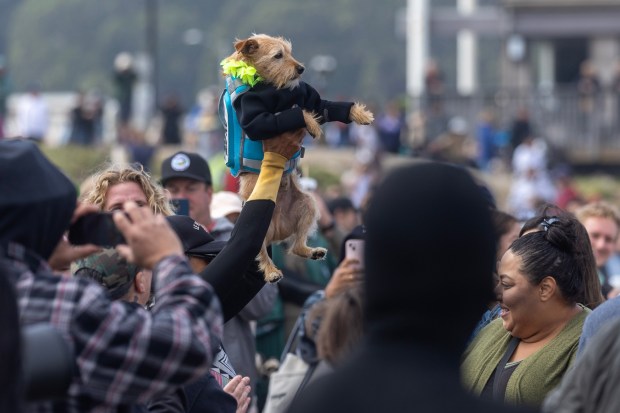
point(242, 153)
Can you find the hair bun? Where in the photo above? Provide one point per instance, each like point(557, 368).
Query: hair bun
point(560, 233)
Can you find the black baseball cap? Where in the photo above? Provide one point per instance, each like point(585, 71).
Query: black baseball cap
point(195, 239)
point(185, 165)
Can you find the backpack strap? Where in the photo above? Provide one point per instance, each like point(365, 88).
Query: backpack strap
point(235, 87)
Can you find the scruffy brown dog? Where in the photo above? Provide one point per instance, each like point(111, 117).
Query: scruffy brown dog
point(278, 101)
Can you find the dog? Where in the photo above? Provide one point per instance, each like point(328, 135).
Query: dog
point(278, 101)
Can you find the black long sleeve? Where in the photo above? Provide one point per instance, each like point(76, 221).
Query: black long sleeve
point(234, 273)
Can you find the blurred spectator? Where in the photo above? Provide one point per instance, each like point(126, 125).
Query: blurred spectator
point(187, 175)
point(114, 185)
point(545, 278)
point(602, 315)
point(405, 361)
point(592, 384)
point(485, 137)
point(226, 204)
point(32, 244)
point(615, 89)
point(455, 145)
point(345, 215)
point(4, 93)
point(568, 197)
point(124, 79)
point(506, 229)
point(520, 129)
point(302, 339)
point(337, 134)
point(32, 116)
point(10, 346)
point(588, 88)
point(172, 113)
point(364, 137)
point(203, 125)
point(434, 86)
point(602, 221)
point(302, 278)
point(85, 118)
point(140, 151)
point(341, 328)
point(528, 192)
point(359, 181)
point(531, 184)
point(389, 126)
point(530, 154)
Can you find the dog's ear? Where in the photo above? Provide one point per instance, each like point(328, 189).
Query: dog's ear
point(246, 47)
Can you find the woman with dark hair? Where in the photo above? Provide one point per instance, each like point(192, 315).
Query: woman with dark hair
point(10, 372)
point(506, 229)
point(544, 284)
point(592, 296)
point(341, 329)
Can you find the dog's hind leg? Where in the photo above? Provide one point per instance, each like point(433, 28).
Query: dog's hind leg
point(305, 225)
point(300, 248)
point(271, 273)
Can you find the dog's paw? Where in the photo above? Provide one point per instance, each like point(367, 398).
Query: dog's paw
point(312, 125)
point(273, 276)
point(360, 115)
point(318, 253)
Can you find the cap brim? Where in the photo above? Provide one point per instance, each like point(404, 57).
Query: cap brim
point(211, 248)
point(184, 175)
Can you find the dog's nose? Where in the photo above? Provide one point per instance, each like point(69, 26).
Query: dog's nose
point(300, 69)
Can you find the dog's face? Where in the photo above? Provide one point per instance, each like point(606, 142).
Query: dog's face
point(272, 57)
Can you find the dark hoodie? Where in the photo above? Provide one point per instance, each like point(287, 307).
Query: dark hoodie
point(35, 209)
point(429, 258)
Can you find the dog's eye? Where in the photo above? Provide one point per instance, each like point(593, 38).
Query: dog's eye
point(278, 55)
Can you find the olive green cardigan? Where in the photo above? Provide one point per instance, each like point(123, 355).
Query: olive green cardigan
point(535, 376)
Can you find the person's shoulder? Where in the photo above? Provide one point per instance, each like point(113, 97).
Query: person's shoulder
point(607, 311)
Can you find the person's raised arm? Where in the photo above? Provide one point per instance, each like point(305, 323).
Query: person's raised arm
point(234, 273)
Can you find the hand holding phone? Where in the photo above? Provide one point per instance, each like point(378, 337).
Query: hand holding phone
point(354, 248)
point(95, 228)
point(180, 206)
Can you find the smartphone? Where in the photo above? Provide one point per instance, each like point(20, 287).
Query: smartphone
point(180, 206)
point(97, 228)
point(354, 248)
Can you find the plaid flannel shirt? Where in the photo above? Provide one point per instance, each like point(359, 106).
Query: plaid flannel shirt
point(124, 355)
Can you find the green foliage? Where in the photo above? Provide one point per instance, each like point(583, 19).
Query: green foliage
point(77, 162)
point(71, 44)
point(598, 186)
point(326, 178)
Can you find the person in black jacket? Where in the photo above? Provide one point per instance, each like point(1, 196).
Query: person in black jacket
point(428, 229)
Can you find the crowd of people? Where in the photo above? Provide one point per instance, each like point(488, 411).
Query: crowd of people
point(433, 296)
point(173, 318)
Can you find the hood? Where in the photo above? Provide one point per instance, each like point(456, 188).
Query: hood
point(36, 199)
point(430, 253)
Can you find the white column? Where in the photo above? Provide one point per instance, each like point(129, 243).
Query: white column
point(417, 45)
point(467, 52)
point(546, 65)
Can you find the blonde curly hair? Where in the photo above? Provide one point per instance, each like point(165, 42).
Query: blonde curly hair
point(118, 174)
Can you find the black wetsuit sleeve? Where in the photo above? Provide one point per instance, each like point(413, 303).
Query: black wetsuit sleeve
point(234, 273)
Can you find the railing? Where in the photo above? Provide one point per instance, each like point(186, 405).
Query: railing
point(585, 128)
